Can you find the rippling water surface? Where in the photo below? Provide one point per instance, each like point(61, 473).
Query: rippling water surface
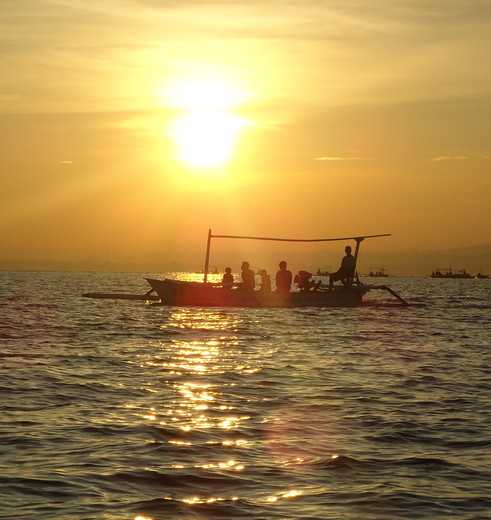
point(131, 410)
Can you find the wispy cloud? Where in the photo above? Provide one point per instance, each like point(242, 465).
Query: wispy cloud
point(332, 158)
point(111, 53)
point(450, 158)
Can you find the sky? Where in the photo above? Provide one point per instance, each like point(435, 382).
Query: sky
point(130, 127)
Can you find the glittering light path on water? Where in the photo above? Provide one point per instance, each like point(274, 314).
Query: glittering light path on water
point(124, 410)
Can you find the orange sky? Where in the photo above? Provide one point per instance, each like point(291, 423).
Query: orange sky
point(350, 118)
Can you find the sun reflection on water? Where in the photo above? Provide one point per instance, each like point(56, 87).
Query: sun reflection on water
point(228, 465)
point(190, 366)
point(289, 494)
point(195, 369)
point(198, 500)
point(205, 320)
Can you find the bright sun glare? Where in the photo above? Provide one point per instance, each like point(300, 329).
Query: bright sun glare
point(206, 139)
point(206, 132)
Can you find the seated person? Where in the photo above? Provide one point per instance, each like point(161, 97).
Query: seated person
point(347, 270)
point(228, 278)
point(283, 278)
point(304, 282)
point(248, 278)
point(265, 281)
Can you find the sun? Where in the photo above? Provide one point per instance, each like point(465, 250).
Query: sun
point(207, 129)
point(206, 139)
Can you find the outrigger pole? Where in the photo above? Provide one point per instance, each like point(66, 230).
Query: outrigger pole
point(357, 239)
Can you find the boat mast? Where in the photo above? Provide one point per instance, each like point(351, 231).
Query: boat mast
point(207, 258)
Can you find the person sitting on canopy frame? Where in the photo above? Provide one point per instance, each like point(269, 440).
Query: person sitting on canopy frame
point(347, 270)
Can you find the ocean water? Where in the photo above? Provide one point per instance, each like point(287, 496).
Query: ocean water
point(117, 409)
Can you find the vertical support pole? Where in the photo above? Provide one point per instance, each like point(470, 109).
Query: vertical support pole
point(357, 249)
point(207, 259)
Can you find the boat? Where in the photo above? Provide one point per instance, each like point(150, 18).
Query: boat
point(208, 294)
point(481, 276)
point(448, 273)
point(213, 271)
point(378, 272)
point(182, 293)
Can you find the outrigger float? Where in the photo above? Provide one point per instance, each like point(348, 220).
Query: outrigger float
point(209, 294)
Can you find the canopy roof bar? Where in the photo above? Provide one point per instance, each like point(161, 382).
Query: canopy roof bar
point(298, 239)
point(273, 239)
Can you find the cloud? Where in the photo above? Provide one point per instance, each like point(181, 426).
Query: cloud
point(449, 158)
point(331, 158)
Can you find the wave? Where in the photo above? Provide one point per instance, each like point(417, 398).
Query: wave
point(196, 507)
point(54, 489)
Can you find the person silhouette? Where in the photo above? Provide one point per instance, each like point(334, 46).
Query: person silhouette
point(347, 270)
point(283, 278)
point(228, 278)
point(247, 276)
point(265, 281)
point(304, 282)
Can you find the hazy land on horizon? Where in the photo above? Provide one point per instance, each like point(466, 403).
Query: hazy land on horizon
point(474, 260)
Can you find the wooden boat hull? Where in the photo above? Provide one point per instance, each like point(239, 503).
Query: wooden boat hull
point(180, 293)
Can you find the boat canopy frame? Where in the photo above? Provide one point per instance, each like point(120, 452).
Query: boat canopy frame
point(357, 239)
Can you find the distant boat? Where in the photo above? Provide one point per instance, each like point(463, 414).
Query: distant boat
point(378, 272)
point(481, 275)
point(448, 273)
point(320, 272)
point(211, 271)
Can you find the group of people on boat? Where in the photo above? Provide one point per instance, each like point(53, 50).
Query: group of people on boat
point(284, 277)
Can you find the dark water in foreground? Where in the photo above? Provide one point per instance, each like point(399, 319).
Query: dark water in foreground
point(126, 410)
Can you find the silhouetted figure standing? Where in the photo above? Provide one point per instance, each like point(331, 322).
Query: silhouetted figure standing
point(228, 278)
point(283, 279)
point(247, 276)
point(347, 270)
